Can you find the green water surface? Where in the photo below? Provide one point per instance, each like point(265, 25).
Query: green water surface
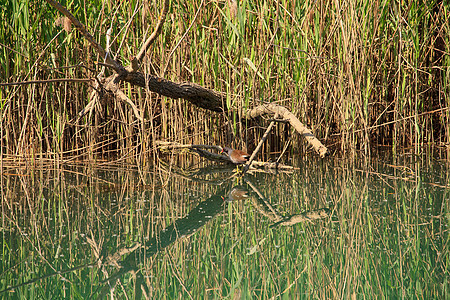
point(329, 229)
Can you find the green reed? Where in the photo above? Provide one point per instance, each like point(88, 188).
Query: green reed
point(361, 74)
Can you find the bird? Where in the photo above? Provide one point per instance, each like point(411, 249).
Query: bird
point(237, 157)
point(237, 193)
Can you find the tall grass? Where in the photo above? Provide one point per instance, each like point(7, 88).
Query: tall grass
point(362, 74)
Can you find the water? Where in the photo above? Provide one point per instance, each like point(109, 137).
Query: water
point(331, 228)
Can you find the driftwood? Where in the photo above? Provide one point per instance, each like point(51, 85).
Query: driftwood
point(196, 94)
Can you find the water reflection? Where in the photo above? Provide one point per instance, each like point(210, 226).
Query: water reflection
point(237, 193)
point(173, 232)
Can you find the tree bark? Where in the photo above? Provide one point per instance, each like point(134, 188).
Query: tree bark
point(194, 93)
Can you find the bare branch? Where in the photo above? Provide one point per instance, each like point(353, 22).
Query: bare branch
point(48, 81)
point(284, 113)
point(111, 86)
point(165, 146)
point(82, 29)
point(194, 93)
point(156, 32)
point(261, 142)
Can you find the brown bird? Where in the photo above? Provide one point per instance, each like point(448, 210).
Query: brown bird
point(237, 194)
point(237, 157)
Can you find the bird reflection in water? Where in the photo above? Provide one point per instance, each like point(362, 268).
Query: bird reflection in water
point(237, 193)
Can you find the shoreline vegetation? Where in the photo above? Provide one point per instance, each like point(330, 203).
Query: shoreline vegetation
point(359, 75)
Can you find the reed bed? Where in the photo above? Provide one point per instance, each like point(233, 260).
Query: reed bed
point(361, 74)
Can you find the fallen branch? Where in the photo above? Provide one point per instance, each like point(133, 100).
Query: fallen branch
point(199, 149)
point(194, 93)
point(285, 114)
point(170, 146)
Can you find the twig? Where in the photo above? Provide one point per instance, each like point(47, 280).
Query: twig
point(156, 32)
point(117, 67)
point(48, 81)
point(284, 150)
point(261, 142)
